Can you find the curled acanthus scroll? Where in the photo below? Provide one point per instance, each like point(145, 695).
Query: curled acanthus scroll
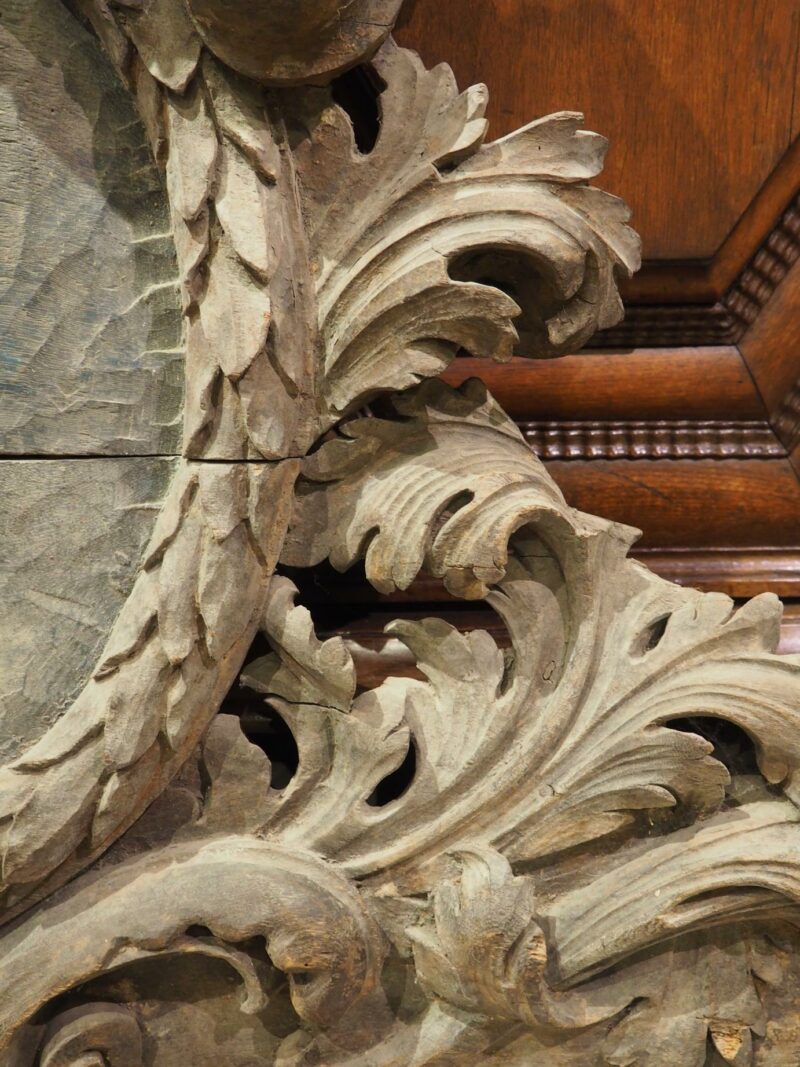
point(564, 846)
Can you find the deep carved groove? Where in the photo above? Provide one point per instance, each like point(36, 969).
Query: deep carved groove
point(732, 745)
point(394, 785)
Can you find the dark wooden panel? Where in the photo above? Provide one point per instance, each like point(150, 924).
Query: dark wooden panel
point(695, 95)
point(738, 572)
point(702, 504)
point(771, 348)
point(684, 383)
point(708, 280)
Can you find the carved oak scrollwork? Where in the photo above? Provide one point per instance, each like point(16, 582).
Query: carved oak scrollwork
point(571, 874)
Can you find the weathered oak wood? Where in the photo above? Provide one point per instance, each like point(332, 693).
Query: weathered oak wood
point(73, 538)
point(91, 351)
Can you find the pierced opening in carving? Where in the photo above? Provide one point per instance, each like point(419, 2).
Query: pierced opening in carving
point(266, 728)
point(272, 734)
point(732, 746)
point(522, 277)
point(358, 93)
point(345, 604)
point(650, 637)
point(395, 784)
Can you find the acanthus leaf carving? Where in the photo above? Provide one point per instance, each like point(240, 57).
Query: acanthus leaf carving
point(456, 518)
point(422, 205)
point(237, 887)
point(486, 953)
point(168, 662)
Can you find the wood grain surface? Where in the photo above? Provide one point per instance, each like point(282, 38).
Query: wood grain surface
point(771, 349)
point(91, 359)
point(696, 96)
point(72, 533)
point(677, 383)
point(697, 503)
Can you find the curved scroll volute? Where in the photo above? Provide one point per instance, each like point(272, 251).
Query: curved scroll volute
point(312, 278)
point(314, 925)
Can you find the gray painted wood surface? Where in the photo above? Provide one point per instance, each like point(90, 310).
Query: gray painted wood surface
point(91, 360)
point(562, 874)
point(90, 333)
point(72, 533)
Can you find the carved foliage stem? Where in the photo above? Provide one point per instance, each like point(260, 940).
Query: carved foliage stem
point(313, 923)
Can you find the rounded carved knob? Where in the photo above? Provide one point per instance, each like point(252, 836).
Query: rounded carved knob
point(284, 42)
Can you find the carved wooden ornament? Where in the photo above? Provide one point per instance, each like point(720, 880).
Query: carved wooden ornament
point(571, 876)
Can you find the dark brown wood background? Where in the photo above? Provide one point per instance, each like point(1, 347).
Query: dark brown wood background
point(685, 420)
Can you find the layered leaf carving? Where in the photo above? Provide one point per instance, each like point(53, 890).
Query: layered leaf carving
point(428, 204)
point(168, 662)
point(455, 474)
point(236, 887)
point(586, 697)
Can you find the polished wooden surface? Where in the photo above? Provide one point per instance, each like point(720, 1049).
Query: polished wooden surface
point(665, 383)
point(696, 96)
point(706, 280)
point(697, 503)
point(771, 349)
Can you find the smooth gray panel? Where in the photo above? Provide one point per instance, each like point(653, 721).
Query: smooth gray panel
point(72, 535)
point(90, 334)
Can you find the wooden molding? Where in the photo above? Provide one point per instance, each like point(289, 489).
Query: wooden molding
point(771, 350)
point(739, 573)
point(708, 282)
point(732, 312)
point(672, 326)
point(662, 439)
point(787, 418)
point(702, 504)
point(694, 384)
point(746, 298)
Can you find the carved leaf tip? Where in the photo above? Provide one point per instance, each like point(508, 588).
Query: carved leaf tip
point(443, 488)
point(484, 951)
point(301, 669)
point(432, 242)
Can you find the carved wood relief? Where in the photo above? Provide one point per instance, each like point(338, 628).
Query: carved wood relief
point(571, 872)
